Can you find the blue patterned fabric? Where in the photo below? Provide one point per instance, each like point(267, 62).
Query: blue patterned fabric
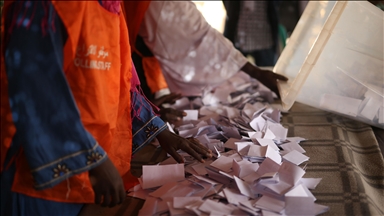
point(48, 124)
point(47, 120)
point(147, 125)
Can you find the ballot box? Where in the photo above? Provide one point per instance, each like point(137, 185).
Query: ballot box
point(334, 60)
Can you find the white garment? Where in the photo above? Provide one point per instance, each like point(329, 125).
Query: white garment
point(192, 54)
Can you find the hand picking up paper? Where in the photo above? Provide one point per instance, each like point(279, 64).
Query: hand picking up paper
point(171, 142)
point(268, 78)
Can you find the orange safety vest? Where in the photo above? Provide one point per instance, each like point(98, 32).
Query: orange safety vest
point(134, 12)
point(97, 65)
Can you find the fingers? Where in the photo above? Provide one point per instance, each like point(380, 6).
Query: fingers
point(97, 198)
point(175, 155)
point(281, 77)
point(187, 147)
point(172, 98)
point(116, 200)
point(172, 118)
point(107, 199)
point(200, 148)
point(122, 196)
point(173, 115)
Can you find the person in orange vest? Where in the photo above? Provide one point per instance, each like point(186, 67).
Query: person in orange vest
point(72, 113)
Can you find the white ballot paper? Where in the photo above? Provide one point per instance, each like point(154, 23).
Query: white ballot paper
point(181, 202)
point(234, 196)
point(269, 134)
point(200, 169)
point(231, 143)
point(191, 115)
point(176, 212)
point(257, 123)
point(288, 147)
point(370, 109)
point(244, 168)
point(267, 142)
point(295, 139)
point(289, 175)
point(212, 206)
point(157, 175)
point(295, 157)
point(301, 201)
point(310, 183)
point(268, 166)
point(278, 130)
point(223, 164)
point(270, 204)
point(163, 189)
point(194, 207)
point(381, 115)
point(244, 188)
point(346, 105)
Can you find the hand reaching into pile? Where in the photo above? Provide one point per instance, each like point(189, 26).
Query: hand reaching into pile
point(267, 77)
point(171, 142)
point(168, 114)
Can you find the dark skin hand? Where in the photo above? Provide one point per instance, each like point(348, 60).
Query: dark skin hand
point(168, 114)
point(171, 142)
point(170, 98)
point(107, 184)
point(171, 115)
point(267, 77)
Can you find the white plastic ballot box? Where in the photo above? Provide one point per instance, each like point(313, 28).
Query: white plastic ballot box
point(334, 60)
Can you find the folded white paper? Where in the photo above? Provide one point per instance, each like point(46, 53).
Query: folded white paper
point(223, 164)
point(163, 189)
point(234, 196)
point(212, 206)
point(244, 188)
point(370, 109)
point(270, 204)
point(231, 143)
point(257, 123)
point(295, 157)
point(287, 147)
point(177, 212)
point(191, 115)
point(269, 135)
point(381, 115)
point(181, 202)
point(200, 169)
point(157, 175)
point(346, 105)
point(278, 130)
point(268, 166)
point(267, 142)
point(244, 168)
point(310, 183)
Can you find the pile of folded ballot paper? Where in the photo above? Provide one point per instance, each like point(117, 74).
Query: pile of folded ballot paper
point(256, 168)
